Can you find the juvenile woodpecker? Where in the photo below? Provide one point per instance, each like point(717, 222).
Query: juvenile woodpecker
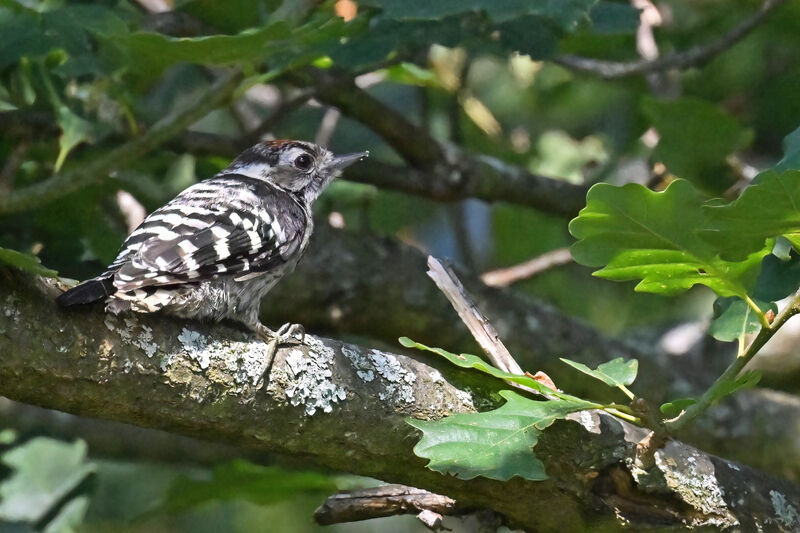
point(219, 246)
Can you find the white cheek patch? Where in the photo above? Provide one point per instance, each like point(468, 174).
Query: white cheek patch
point(253, 170)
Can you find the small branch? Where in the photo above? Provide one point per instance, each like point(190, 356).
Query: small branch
point(99, 169)
point(680, 60)
point(733, 370)
point(483, 331)
point(377, 502)
point(503, 277)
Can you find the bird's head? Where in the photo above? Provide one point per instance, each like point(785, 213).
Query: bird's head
point(302, 168)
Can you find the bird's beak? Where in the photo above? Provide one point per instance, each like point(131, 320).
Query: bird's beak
point(341, 162)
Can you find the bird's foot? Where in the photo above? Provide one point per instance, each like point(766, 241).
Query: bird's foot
point(287, 334)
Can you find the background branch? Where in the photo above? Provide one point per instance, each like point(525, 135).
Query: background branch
point(326, 400)
point(377, 502)
point(679, 60)
point(448, 172)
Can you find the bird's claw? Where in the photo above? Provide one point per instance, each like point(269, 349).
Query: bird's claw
point(288, 334)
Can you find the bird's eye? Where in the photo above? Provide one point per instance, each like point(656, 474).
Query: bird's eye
point(303, 162)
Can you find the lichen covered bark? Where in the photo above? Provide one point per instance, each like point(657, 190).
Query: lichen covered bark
point(343, 406)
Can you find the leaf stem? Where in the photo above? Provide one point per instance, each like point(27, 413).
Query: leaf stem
point(733, 370)
point(627, 391)
point(762, 317)
point(625, 416)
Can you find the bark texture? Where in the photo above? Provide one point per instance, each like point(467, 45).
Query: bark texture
point(343, 406)
point(375, 287)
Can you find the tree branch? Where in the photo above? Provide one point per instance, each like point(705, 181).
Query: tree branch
point(377, 502)
point(326, 401)
point(66, 182)
point(680, 60)
point(360, 284)
point(443, 171)
point(503, 277)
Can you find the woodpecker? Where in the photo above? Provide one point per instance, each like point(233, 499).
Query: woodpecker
point(218, 247)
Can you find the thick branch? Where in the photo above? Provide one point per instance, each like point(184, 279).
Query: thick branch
point(680, 60)
point(343, 406)
point(365, 285)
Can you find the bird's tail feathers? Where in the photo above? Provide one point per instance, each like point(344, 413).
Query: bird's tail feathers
point(87, 292)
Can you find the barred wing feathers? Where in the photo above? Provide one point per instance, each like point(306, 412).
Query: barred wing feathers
point(209, 230)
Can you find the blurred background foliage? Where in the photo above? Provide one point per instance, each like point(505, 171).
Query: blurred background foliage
point(80, 79)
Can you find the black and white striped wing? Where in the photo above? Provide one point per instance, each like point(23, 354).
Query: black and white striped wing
point(186, 243)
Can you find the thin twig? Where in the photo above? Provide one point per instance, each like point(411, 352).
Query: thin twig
point(99, 169)
point(733, 370)
point(327, 126)
point(481, 329)
point(678, 60)
point(503, 277)
point(388, 500)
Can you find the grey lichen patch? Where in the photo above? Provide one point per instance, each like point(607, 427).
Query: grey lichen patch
point(133, 333)
point(785, 513)
point(691, 475)
point(590, 420)
point(362, 364)
point(242, 360)
point(309, 378)
point(10, 308)
point(397, 380)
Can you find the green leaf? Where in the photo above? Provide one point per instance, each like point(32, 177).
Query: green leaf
point(615, 373)
point(636, 233)
point(28, 263)
point(733, 318)
point(791, 152)
point(695, 137)
point(495, 444)
point(614, 17)
point(747, 380)
point(74, 131)
point(466, 360)
point(778, 277)
point(43, 471)
point(765, 209)
point(676, 407)
point(567, 13)
point(150, 53)
point(241, 480)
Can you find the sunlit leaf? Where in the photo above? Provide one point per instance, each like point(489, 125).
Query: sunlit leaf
point(639, 234)
point(28, 263)
point(614, 373)
point(466, 360)
point(495, 444)
point(747, 380)
point(676, 407)
point(767, 208)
